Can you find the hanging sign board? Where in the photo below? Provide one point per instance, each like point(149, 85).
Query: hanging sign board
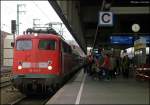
point(105, 19)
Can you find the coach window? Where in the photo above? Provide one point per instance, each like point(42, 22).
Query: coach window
point(24, 45)
point(47, 45)
point(66, 48)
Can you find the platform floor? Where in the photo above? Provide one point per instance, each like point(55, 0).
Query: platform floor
point(82, 89)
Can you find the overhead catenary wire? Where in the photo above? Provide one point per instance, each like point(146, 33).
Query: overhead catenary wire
point(102, 6)
point(41, 10)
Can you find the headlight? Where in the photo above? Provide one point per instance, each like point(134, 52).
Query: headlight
point(19, 67)
point(35, 34)
point(50, 67)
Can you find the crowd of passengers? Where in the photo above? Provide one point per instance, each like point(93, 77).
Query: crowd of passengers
point(107, 66)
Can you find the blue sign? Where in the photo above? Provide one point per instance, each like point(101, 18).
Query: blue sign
point(122, 40)
point(147, 38)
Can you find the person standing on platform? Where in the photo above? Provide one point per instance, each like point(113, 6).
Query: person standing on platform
point(126, 63)
point(85, 64)
point(112, 72)
point(90, 62)
point(106, 66)
point(118, 65)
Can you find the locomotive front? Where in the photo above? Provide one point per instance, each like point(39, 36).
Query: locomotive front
point(36, 62)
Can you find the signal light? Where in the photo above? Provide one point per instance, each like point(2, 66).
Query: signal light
point(13, 26)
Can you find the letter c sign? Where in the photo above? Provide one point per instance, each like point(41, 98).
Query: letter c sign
point(105, 19)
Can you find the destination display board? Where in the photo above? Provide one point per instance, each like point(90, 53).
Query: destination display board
point(122, 40)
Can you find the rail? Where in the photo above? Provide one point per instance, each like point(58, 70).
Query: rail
point(5, 83)
point(5, 72)
point(31, 100)
point(18, 100)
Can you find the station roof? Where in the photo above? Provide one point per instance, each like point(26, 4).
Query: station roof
point(126, 13)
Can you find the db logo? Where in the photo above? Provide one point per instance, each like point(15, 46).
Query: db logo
point(105, 19)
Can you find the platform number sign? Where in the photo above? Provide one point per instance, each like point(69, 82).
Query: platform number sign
point(105, 19)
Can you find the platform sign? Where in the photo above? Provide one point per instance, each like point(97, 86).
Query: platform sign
point(105, 19)
point(121, 40)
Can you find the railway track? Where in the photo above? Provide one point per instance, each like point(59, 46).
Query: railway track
point(31, 100)
point(5, 83)
point(5, 71)
point(5, 74)
point(5, 78)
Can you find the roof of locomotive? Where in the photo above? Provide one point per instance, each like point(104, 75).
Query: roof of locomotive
point(39, 35)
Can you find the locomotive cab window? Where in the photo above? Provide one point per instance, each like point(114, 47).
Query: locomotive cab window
point(24, 45)
point(47, 45)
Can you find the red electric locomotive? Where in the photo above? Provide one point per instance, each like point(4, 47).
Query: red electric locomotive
point(41, 62)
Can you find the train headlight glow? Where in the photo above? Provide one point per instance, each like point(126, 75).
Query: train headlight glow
point(19, 67)
point(35, 34)
point(50, 67)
